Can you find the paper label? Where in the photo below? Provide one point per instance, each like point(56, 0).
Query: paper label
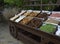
point(17, 15)
point(58, 28)
point(13, 17)
point(21, 12)
point(37, 11)
point(29, 11)
point(58, 31)
point(20, 18)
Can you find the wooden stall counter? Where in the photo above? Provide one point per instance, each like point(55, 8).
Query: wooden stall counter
point(27, 27)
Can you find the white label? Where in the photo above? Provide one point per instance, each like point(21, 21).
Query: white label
point(29, 11)
point(13, 17)
point(21, 12)
point(48, 12)
point(20, 18)
point(17, 15)
point(58, 31)
point(58, 28)
point(37, 11)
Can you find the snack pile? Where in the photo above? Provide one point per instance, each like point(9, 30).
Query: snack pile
point(49, 28)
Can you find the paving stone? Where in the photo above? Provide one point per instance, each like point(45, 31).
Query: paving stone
point(5, 36)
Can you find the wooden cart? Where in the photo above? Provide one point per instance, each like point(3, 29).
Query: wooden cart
point(30, 35)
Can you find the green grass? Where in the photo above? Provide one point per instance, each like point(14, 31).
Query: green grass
point(49, 28)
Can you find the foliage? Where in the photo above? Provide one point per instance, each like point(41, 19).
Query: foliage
point(49, 7)
point(19, 3)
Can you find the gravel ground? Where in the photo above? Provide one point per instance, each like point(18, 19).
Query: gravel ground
point(5, 37)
